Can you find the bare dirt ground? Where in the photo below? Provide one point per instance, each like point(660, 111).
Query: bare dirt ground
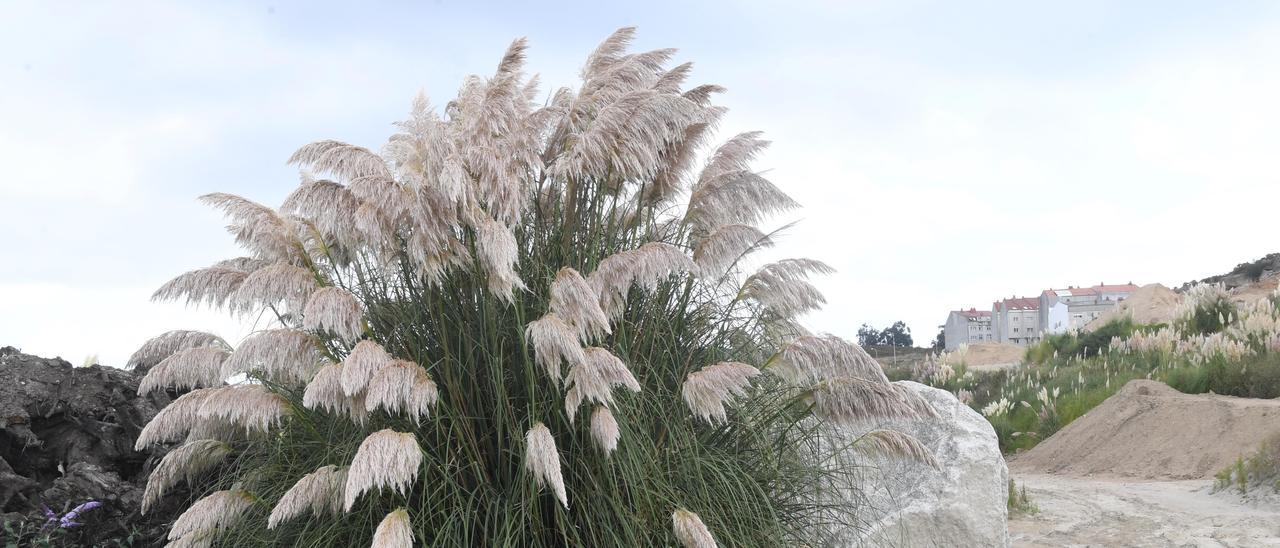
point(1076, 511)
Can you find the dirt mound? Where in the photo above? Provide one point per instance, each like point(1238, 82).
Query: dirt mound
point(1148, 430)
point(1255, 291)
point(1151, 303)
point(987, 355)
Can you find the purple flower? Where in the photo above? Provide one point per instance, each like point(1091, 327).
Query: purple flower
point(68, 520)
point(49, 514)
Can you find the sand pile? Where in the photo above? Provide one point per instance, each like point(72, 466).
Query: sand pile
point(1148, 430)
point(987, 355)
point(1151, 303)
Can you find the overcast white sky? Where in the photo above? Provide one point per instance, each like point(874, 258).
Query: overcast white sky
point(946, 153)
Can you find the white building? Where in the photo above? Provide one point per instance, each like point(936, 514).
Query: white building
point(967, 327)
point(1063, 310)
point(1016, 320)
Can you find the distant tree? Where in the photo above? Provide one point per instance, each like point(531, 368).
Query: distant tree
point(897, 334)
point(940, 342)
point(868, 336)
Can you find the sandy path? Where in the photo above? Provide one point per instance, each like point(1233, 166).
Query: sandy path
point(1104, 512)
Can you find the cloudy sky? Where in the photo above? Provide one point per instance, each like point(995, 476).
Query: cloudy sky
point(945, 155)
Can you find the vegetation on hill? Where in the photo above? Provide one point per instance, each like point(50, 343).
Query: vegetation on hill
point(1214, 345)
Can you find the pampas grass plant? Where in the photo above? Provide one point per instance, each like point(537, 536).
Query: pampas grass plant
point(444, 309)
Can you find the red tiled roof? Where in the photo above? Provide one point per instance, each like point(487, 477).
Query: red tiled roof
point(1022, 303)
point(971, 313)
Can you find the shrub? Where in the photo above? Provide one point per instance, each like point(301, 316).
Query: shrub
point(503, 331)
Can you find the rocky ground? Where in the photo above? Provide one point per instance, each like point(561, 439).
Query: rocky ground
point(66, 438)
point(1076, 511)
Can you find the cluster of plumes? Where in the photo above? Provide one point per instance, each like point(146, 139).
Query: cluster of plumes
point(1202, 297)
point(448, 196)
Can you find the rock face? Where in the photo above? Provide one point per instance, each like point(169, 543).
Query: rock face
point(66, 437)
point(910, 504)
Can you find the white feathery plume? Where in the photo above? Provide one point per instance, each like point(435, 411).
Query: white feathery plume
point(604, 429)
point(593, 380)
point(325, 392)
point(257, 227)
point(707, 390)
point(915, 401)
point(330, 206)
point(252, 407)
point(498, 251)
point(671, 80)
point(163, 346)
point(690, 530)
point(543, 461)
point(284, 355)
point(385, 459)
point(174, 420)
point(219, 510)
point(554, 341)
point(735, 197)
point(346, 161)
point(701, 95)
point(626, 135)
point(855, 401)
point(716, 253)
point(335, 310)
point(810, 359)
point(272, 285)
point(647, 265)
point(608, 53)
point(402, 386)
point(394, 531)
point(182, 463)
point(319, 492)
point(574, 300)
point(365, 359)
point(782, 287)
point(199, 367)
point(212, 286)
point(679, 157)
point(198, 539)
point(894, 444)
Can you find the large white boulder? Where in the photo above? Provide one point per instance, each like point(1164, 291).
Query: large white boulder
point(902, 503)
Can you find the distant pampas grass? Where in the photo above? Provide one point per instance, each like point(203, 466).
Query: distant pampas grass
point(431, 316)
point(386, 459)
